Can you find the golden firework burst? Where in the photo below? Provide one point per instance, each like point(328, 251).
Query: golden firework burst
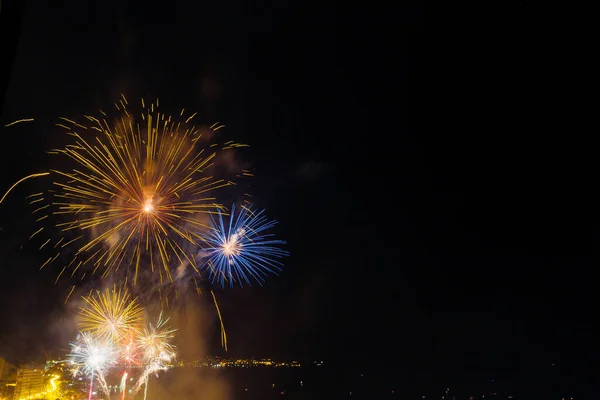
point(136, 192)
point(110, 315)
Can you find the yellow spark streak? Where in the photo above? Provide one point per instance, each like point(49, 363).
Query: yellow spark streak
point(21, 180)
point(223, 333)
point(70, 293)
point(19, 121)
point(36, 232)
point(41, 208)
point(190, 118)
point(59, 275)
point(44, 264)
point(53, 383)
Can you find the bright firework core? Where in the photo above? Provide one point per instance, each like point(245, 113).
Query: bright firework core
point(232, 246)
point(148, 206)
point(97, 359)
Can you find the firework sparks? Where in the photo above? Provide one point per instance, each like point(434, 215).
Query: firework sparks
point(21, 180)
point(19, 122)
point(130, 349)
point(223, 333)
point(92, 358)
point(110, 315)
point(123, 386)
point(158, 351)
point(155, 341)
point(240, 249)
point(137, 190)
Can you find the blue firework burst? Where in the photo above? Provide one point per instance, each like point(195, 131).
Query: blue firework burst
point(240, 249)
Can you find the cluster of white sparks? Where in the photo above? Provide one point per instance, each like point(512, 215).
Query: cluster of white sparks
point(94, 355)
point(93, 358)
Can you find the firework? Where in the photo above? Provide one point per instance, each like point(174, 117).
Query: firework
point(53, 383)
point(129, 349)
point(123, 386)
point(92, 357)
point(157, 349)
point(223, 333)
point(110, 315)
point(137, 191)
point(240, 248)
point(19, 121)
point(21, 180)
point(155, 341)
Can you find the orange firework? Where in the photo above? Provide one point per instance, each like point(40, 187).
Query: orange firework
point(136, 193)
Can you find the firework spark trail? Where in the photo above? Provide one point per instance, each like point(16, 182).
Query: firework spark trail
point(19, 121)
point(136, 192)
point(158, 351)
point(92, 358)
point(223, 333)
point(110, 315)
point(123, 386)
point(240, 249)
point(21, 180)
point(53, 383)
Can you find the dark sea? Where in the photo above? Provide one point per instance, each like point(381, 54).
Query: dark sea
point(268, 383)
point(343, 382)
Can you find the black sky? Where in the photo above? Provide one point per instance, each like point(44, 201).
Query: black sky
point(439, 211)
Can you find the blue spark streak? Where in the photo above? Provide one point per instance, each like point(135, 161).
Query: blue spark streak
point(241, 250)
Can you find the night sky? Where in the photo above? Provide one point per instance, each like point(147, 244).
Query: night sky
point(440, 213)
